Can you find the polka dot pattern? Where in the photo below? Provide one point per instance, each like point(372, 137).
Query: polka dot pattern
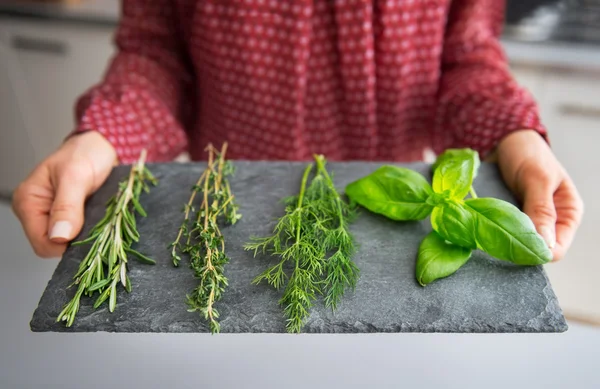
point(353, 79)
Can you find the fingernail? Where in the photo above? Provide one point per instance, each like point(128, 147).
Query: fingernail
point(548, 234)
point(61, 230)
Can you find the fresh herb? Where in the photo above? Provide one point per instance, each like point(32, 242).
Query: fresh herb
point(491, 225)
point(454, 171)
point(438, 258)
point(312, 238)
point(201, 238)
point(400, 194)
point(106, 264)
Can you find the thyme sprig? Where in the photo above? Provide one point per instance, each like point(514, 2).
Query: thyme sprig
point(201, 238)
point(106, 263)
point(314, 237)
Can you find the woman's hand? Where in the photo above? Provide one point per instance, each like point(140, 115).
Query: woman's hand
point(50, 202)
point(549, 197)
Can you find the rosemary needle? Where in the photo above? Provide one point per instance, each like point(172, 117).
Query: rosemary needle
point(105, 265)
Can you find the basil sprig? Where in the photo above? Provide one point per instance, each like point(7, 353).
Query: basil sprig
point(459, 225)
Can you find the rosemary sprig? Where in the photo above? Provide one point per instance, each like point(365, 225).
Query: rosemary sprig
point(204, 242)
point(105, 264)
point(314, 237)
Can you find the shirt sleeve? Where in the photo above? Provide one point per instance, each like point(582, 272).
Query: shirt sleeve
point(142, 101)
point(479, 101)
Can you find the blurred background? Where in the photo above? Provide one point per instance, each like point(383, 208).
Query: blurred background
point(53, 50)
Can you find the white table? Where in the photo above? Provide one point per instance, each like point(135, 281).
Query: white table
point(101, 360)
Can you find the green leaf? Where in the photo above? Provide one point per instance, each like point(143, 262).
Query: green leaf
point(397, 193)
point(456, 153)
point(438, 198)
point(98, 285)
point(506, 233)
point(176, 259)
point(127, 284)
point(90, 239)
point(215, 327)
point(112, 303)
point(455, 223)
point(130, 218)
point(454, 171)
point(102, 298)
point(129, 234)
point(140, 256)
point(438, 259)
point(138, 207)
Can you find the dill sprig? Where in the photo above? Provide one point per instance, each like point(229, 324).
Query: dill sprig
point(105, 264)
point(201, 238)
point(314, 237)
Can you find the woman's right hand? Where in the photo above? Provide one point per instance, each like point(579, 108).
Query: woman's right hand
point(50, 202)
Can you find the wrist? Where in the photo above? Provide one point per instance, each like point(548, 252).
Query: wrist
point(520, 138)
point(95, 144)
point(521, 135)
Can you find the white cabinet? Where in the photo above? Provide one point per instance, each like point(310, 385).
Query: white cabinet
point(53, 64)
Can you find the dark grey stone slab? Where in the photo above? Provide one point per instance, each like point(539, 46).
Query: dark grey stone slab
point(486, 295)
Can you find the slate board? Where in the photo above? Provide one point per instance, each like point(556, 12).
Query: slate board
point(486, 295)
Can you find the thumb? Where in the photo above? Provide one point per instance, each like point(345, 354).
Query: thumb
point(538, 197)
point(67, 212)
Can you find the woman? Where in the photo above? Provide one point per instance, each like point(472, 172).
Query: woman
point(352, 79)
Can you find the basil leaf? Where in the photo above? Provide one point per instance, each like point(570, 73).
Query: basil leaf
point(397, 193)
point(438, 259)
point(448, 154)
point(455, 223)
point(454, 171)
point(506, 233)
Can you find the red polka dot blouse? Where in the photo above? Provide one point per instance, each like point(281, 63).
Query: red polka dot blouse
point(284, 79)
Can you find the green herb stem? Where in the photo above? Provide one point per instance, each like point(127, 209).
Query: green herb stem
point(301, 200)
point(205, 243)
point(105, 264)
point(187, 210)
point(321, 249)
point(473, 193)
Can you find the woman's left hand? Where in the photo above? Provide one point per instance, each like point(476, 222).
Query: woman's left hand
point(549, 196)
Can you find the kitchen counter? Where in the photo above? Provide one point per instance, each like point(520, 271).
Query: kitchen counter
point(107, 12)
point(103, 12)
point(553, 55)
